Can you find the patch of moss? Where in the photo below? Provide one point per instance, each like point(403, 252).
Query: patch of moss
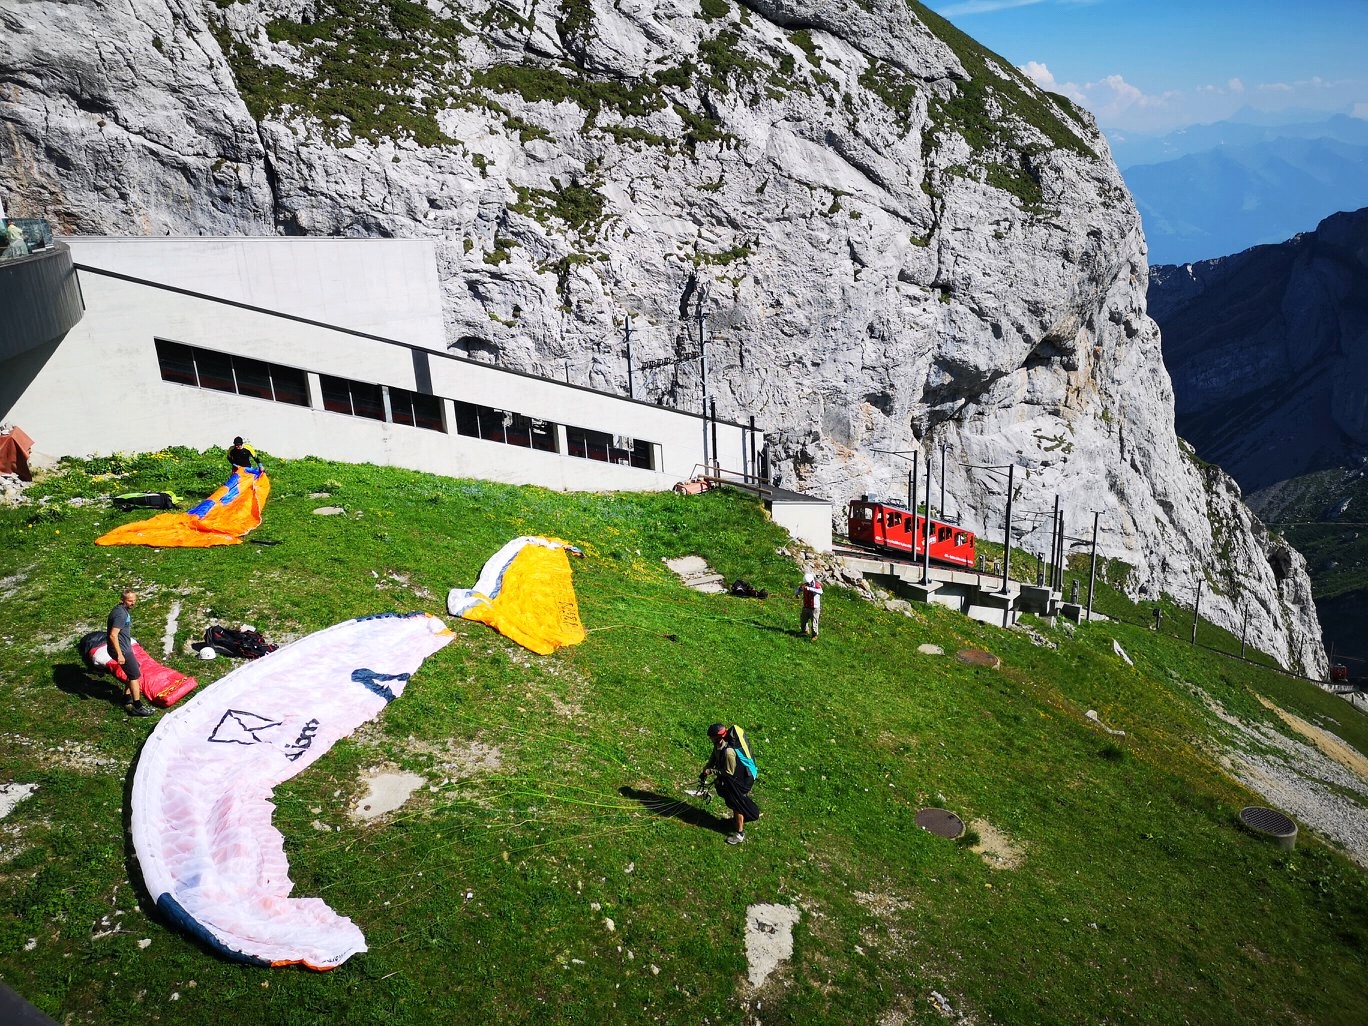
point(803, 40)
point(714, 10)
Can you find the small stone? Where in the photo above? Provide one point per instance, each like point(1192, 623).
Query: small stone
point(145, 943)
point(328, 511)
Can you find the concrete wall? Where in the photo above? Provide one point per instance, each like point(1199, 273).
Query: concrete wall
point(100, 390)
point(384, 287)
point(809, 522)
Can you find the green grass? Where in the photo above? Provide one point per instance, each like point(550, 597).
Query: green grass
point(1138, 900)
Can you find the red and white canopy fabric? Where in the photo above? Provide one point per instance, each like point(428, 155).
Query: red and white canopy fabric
point(210, 856)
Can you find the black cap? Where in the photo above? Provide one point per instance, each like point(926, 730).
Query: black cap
point(237, 440)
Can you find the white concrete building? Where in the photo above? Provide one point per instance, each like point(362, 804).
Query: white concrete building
point(333, 348)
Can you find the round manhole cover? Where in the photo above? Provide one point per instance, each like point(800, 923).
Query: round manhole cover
point(1271, 823)
point(941, 822)
point(978, 657)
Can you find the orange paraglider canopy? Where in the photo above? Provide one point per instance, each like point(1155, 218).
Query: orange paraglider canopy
point(221, 519)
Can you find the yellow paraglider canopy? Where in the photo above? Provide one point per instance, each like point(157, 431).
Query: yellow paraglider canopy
point(526, 593)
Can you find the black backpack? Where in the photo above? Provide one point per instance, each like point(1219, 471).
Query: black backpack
point(88, 644)
point(145, 500)
point(237, 644)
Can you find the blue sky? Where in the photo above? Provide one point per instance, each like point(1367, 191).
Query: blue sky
point(1157, 65)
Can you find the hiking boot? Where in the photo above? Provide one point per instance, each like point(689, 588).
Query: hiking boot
point(139, 709)
point(736, 838)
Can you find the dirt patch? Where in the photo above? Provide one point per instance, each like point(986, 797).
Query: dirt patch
point(458, 760)
point(69, 755)
point(978, 657)
point(12, 794)
point(769, 939)
point(387, 789)
point(1332, 746)
point(996, 849)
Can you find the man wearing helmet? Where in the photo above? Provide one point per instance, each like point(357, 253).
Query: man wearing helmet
point(811, 593)
point(734, 780)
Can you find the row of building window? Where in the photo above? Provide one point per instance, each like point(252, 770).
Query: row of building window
point(204, 368)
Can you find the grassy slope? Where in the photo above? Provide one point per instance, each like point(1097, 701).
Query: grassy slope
point(484, 899)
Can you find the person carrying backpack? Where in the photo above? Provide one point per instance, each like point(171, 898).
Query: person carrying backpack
point(245, 456)
point(734, 770)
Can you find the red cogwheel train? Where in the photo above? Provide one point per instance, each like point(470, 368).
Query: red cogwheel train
point(888, 527)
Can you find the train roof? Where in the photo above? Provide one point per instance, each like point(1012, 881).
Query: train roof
point(901, 507)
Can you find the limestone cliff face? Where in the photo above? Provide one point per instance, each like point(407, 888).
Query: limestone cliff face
point(897, 241)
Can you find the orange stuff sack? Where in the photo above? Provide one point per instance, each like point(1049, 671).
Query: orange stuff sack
point(221, 519)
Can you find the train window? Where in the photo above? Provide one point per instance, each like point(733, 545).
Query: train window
point(961, 538)
point(863, 513)
point(894, 519)
point(942, 533)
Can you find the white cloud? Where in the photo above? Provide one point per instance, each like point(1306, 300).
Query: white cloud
point(1038, 73)
point(1359, 110)
point(1120, 105)
point(982, 7)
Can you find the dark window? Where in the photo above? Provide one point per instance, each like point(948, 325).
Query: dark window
point(187, 365)
point(467, 419)
point(336, 394)
point(177, 362)
point(598, 445)
point(357, 398)
point(253, 378)
point(215, 370)
point(543, 435)
point(589, 445)
point(291, 385)
point(367, 400)
point(502, 426)
point(416, 410)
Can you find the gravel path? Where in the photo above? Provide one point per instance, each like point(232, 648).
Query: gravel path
point(1298, 778)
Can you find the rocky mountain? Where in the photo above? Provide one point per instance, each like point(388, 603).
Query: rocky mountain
point(1268, 350)
point(897, 240)
point(1229, 198)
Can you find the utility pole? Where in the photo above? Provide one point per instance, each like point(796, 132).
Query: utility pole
point(1196, 610)
point(702, 346)
point(1092, 574)
point(1054, 547)
point(631, 387)
point(913, 481)
point(1244, 631)
point(926, 529)
point(717, 462)
point(928, 470)
point(1007, 531)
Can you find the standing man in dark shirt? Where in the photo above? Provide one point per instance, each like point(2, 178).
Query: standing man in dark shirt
point(120, 628)
point(733, 780)
point(242, 455)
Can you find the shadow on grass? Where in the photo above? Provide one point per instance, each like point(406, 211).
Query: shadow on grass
point(670, 807)
point(75, 679)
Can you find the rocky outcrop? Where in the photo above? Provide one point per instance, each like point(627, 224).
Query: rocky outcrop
point(896, 241)
point(1269, 351)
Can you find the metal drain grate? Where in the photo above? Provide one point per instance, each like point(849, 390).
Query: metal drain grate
point(941, 822)
point(1271, 823)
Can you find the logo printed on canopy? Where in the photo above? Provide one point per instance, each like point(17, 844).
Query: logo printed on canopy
point(240, 728)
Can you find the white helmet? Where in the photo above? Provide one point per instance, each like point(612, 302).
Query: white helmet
point(809, 577)
point(207, 652)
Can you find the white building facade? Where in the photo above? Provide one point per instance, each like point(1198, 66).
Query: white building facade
point(332, 348)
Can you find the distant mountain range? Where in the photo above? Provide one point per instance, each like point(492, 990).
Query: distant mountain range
point(1268, 352)
point(1211, 190)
